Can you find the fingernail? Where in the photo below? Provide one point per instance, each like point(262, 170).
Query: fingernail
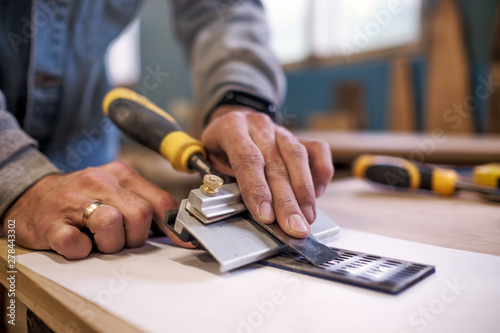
point(266, 212)
point(297, 223)
point(308, 211)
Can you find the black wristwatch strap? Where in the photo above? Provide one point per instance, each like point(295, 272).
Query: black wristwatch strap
point(245, 99)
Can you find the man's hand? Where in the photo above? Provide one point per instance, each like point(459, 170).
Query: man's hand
point(49, 215)
point(279, 175)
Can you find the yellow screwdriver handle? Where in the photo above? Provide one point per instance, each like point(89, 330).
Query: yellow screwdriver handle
point(398, 172)
point(487, 175)
point(149, 125)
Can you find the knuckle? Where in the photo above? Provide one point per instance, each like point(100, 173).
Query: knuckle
point(320, 146)
point(92, 176)
point(122, 169)
point(111, 220)
point(167, 201)
point(276, 168)
point(66, 199)
point(260, 118)
point(258, 193)
point(64, 239)
point(265, 135)
point(326, 171)
point(247, 149)
point(142, 212)
point(297, 150)
point(286, 202)
point(230, 119)
point(304, 191)
point(323, 146)
point(248, 159)
point(329, 172)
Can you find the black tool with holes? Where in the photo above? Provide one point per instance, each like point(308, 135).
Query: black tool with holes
point(360, 269)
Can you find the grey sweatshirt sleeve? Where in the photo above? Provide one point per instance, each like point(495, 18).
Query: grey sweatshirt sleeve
point(228, 46)
point(21, 163)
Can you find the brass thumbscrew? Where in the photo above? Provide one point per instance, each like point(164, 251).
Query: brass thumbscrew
point(211, 185)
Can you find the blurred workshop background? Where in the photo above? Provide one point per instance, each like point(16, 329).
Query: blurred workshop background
point(384, 66)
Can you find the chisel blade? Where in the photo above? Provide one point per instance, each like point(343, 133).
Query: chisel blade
point(309, 248)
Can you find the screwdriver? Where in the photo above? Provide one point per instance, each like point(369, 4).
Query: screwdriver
point(152, 127)
point(487, 174)
point(398, 172)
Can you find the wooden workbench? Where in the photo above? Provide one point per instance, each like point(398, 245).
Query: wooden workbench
point(435, 147)
point(465, 222)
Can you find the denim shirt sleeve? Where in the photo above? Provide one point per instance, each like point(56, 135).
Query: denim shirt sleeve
point(228, 47)
point(21, 164)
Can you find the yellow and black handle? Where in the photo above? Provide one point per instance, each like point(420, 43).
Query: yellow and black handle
point(152, 127)
point(487, 175)
point(398, 172)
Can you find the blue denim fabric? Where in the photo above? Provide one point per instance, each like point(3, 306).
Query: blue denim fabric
point(226, 44)
point(67, 78)
point(227, 47)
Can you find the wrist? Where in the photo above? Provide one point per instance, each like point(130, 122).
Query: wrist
point(242, 101)
point(225, 109)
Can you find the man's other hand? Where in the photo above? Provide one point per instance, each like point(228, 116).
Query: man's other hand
point(49, 215)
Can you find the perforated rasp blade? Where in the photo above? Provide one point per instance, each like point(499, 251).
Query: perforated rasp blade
point(309, 248)
point(370, 271)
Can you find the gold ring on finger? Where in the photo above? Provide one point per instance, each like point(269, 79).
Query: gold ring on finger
point(89, 210)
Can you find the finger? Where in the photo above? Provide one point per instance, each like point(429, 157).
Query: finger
point(177, 240)
point(137, 213)
point(286, 208)
point(106, 223)
point(248, 166)
point(69, 241)
point(212, 141)
point(221, 163)
point(295, 156)
point(98, 184)
point(321, 163)
point(159, 200)
point(131, 180)
point(137, 216)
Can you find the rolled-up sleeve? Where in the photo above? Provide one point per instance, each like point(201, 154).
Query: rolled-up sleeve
point(21, 163)
point(228, 47)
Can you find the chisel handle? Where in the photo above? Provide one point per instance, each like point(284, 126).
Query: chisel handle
point(152, 127)
point(398, 172)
